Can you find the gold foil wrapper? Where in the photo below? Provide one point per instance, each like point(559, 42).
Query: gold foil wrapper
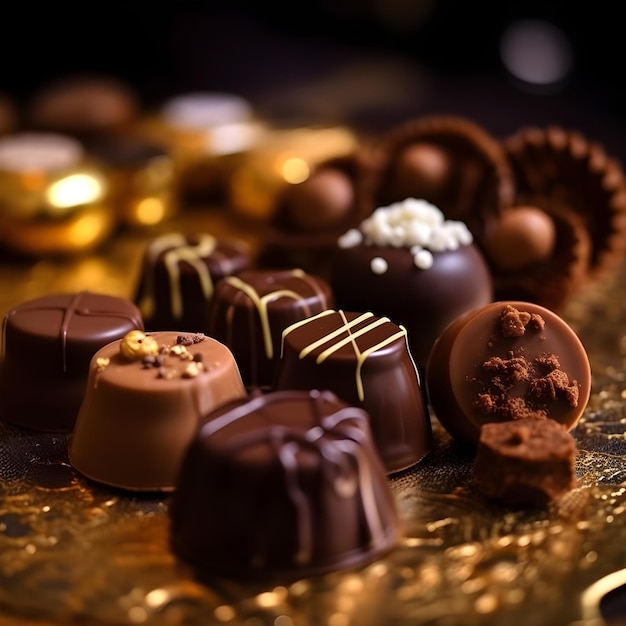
point(53, 199)
point(74, 552)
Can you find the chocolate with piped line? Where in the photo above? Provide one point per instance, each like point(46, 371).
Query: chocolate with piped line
point(280, 486)
point(365, 360)
point(48, 343)
point(178, 277)
point(250, 310)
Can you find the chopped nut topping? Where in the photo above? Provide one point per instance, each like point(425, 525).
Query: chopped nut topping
point(102, 363)
point(136, 345)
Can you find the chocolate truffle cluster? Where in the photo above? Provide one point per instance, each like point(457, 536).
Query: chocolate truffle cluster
point(545, 206)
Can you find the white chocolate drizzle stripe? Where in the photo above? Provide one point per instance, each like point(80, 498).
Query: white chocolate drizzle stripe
point(181, 251)
point(295, 325)
point(261, 302)
point(339, 331)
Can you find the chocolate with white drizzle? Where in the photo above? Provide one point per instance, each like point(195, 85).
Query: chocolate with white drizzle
point(48, 343)
point(178, 278)
point(304, 467)
point(250, 310)
point(365, 360)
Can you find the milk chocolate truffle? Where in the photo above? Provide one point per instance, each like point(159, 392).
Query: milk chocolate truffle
point(145, 397)
point(408, 263)
point(178, 276)
point(560, 166)
point(507, 361)
point(539, 254)
point(535, 461)
point(282, 486)
point(250, 310)
point(48, 345)
point(365, 360)
point(84, 106)
point(450, 161)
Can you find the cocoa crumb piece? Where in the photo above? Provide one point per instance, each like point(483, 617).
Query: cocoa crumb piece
point(537, 322)
point(554, 385)
point(549, 361)
point(513, 322)
point(189, 340)
point(507, 372)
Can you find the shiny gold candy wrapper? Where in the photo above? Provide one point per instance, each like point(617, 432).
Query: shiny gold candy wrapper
point(53, 199)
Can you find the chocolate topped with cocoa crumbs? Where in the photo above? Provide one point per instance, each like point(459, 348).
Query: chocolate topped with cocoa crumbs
point(507, 361)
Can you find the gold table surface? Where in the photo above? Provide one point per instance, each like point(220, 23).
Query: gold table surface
point(72, 552)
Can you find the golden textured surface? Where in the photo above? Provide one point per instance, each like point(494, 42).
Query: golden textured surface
point(72, 552)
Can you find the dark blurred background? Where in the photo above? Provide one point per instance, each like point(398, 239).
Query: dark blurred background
point(371, 63)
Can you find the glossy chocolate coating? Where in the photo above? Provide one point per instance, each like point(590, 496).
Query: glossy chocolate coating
point(423, 301)
point(281, 486)
point(178, 278)
point(48, 345)
point(366, 362)
point(477, 374)
point(250, 310)
point(137, 418)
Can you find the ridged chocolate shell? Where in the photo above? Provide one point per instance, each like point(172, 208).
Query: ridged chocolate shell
point(478, 185)
point(566, 168)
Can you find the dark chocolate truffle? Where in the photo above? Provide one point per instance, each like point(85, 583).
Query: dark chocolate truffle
point(535, 461)
point(48, 345)
point(309, 216)
point(365, 360)
point(450, 161)
point(505, 361)
point(281, 486)
point(407, 263)
point(178, 277)
point(538, 254)
point(564, 167)
point(144, 400)
point(250, 310)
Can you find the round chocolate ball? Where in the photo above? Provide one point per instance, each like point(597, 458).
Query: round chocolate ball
point(424, 301)
point(321, 201)
point(520, 238)
point(420, 170)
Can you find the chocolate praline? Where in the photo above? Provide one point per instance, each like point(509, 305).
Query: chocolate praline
point(424, 301)
point(145, 396)
point(281, 486)
point(178, 275)
point(249, 311)
point(507, 360)
point(365, 360)
point(48, 344)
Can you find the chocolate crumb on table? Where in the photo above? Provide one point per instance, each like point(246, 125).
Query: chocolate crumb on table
point(525, 462)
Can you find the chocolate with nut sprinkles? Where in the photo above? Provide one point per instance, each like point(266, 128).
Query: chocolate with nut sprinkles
point(141, 410)
point(507, 361)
